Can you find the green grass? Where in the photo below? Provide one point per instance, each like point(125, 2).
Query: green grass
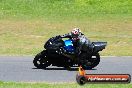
point(60, 85)
point(26, 24)
point(57, 9)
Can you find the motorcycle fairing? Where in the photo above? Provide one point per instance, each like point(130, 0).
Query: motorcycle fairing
point(69, 46)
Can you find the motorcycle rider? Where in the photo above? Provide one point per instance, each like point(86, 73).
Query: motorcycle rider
point(80, 42)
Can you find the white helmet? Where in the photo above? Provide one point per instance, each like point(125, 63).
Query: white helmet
point(76, 31)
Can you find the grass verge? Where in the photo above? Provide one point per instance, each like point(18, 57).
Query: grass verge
point(27, 37)
point(59, 85)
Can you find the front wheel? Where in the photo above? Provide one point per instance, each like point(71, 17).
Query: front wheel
point(89, 62)
point(41, 60)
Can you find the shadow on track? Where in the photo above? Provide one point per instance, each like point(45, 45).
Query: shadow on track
point(70, 69)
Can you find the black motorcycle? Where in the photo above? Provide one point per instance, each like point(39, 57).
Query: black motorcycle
point(63, 53)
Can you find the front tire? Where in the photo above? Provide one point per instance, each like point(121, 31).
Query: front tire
point(89, 62)
point(41, 60)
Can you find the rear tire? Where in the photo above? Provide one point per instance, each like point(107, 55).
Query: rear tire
point(41, 60)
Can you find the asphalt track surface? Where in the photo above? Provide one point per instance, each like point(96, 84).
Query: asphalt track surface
point(21, 69)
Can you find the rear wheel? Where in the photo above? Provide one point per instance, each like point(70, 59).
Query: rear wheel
point(89, 62)
point(41, 60)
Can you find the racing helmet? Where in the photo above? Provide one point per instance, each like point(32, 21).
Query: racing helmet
point(75, 33)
